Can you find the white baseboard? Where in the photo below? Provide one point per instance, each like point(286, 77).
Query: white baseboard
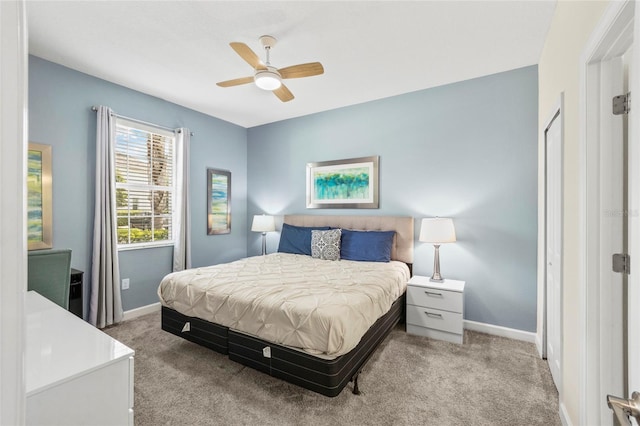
point(497, 330)
point(539, 346)
point(143, 310)
point(564, 416)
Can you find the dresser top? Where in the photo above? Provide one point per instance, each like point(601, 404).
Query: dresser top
point(61, 346)
point(450, 285)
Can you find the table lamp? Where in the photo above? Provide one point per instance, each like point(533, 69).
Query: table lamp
point(263, 223)
point(437, 230)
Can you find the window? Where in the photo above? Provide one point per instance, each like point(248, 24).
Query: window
point(145, 184)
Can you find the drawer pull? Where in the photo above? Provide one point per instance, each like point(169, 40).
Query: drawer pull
point(432, 293)
point(433, 315)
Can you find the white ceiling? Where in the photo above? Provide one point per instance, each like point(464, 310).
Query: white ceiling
point(178, 50)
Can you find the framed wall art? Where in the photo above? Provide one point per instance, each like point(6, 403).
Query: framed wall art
point(218, 201)
point(343, 184)
point(39, 197)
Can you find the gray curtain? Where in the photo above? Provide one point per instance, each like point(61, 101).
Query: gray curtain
point(182, 226)
point(105, 307)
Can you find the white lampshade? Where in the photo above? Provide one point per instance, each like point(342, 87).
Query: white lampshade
point(437, 230)
point(263, 223)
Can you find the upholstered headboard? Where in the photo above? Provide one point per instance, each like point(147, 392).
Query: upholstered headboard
point(402, 249)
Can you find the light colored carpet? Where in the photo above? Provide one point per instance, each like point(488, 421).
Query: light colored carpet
point(410, 380)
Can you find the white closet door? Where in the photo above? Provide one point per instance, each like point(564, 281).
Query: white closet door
point(553, 139)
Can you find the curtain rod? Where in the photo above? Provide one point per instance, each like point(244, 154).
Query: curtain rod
point(95, 108)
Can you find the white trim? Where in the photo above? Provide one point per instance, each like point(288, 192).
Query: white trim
point(582, 244)
point(143, 310)
point(564, 415)
point(13, 240)
point(141, 246)
point(633, 295)
point(539, 345)
point(611, 28)
point(496, 330)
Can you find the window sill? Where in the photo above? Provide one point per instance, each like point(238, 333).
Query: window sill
point(140, 246)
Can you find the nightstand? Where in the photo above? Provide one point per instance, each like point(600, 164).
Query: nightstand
point(435, 309)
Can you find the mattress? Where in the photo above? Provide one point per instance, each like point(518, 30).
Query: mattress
point(321, 307)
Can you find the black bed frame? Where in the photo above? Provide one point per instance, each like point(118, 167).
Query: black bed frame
point(327, 377)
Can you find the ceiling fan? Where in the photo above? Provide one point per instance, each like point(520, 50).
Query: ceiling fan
point(266, 76)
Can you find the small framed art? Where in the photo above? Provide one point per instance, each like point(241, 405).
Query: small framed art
point(218, 201)
point(39, 197)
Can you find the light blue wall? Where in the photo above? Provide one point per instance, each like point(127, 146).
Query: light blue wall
point(466, 150)
point(60, 115)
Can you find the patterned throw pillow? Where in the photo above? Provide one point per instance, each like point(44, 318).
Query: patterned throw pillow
point(326, 244)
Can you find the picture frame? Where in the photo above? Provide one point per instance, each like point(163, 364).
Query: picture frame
point(218, 201)
point(39, 197)
point(343, 184)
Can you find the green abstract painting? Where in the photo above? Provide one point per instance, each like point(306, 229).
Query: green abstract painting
point(351, 183)
point(346, 184)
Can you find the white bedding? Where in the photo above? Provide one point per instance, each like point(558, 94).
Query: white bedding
point(322, 307)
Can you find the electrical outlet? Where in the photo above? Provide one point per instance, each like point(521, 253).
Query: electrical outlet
point(125, 284)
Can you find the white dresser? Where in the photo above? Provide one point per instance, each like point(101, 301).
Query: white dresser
point(75, 373)
point(435, 309)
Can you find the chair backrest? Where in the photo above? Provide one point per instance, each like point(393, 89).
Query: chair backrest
point(49, 274)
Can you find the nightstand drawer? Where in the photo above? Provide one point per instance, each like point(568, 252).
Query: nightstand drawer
point(435, 298)
point(434, 318)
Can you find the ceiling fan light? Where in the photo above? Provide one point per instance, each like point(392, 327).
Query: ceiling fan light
point(267, 80)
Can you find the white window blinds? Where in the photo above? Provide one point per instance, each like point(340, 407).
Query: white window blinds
point(145, 183)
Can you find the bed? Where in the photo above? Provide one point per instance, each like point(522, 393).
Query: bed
point(317, 335)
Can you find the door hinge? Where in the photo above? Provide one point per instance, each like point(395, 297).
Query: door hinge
point(621, 263)
point(622, 104)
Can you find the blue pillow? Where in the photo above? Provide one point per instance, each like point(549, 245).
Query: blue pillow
point(369, 246)
point(297, 239)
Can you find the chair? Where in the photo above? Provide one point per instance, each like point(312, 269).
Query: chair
point(49, 274)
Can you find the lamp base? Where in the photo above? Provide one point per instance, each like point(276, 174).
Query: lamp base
point(436, 277)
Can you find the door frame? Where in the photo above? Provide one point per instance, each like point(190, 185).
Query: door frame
point(633, 289)
point(607, 41)
point(13, 240)
point(556, 114)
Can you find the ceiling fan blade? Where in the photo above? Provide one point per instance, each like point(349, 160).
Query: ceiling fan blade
point(283, 93)
point(248, 55)
point(302, 70)
point(236, 82)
